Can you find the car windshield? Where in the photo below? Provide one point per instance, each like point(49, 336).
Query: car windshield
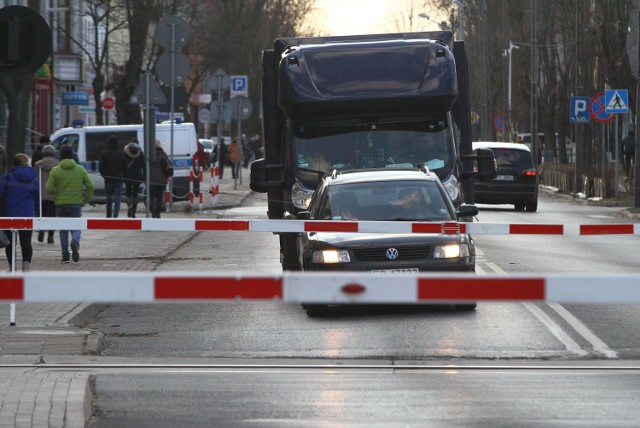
point(380, 143)
point(384, 201)
point(207, 145)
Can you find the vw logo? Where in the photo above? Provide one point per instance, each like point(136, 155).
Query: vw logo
point(392, 254)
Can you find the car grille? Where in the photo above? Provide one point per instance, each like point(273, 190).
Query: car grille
point(414, 252)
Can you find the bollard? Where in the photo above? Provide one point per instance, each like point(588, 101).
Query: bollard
point(12, 315)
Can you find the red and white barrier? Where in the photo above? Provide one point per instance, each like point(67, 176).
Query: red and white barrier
point(317, 287)
point(298, 226)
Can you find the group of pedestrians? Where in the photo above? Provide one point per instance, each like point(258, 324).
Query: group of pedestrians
point(56, 185)
point(63, 187)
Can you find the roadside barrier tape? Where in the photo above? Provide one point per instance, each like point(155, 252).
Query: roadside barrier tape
point(299, 226)
point(317, 287)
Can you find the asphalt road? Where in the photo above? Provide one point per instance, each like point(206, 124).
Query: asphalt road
point(557, 365)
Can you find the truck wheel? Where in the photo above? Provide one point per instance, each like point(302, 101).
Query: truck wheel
point(519, 206)
point(288, 252)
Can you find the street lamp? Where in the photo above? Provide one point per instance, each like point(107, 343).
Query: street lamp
point(460, 6)
point(508, 52)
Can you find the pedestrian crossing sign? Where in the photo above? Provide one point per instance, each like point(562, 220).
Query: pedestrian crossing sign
point(616, 101)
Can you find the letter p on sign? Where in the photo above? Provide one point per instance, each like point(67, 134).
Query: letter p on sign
point(580, 110)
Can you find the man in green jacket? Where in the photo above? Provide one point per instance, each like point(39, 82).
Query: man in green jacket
point(73, 188)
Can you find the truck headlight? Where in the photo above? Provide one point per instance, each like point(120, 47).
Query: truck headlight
point(451, 185)
point(300, 196)
point(451, 251)
point(330, 256)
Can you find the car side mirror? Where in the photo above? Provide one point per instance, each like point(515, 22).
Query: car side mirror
point(467, 210)
point(304, 215)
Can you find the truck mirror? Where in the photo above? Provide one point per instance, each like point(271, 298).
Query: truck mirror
point(258, 176)
point(486, 164)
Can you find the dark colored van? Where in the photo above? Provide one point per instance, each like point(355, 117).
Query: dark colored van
point(517, 179)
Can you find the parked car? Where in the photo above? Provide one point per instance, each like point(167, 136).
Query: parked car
point(208, 143)
point(387, 195)
point(517, 179)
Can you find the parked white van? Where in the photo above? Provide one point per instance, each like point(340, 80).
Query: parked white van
point(89, 141)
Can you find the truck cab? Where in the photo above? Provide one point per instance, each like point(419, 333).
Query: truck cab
point(355, 102)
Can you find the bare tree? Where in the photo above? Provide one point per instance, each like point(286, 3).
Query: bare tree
point(17, 91)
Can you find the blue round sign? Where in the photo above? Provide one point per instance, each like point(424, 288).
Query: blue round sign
point(498, 121)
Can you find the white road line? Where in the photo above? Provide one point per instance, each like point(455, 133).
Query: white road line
point(598, 345)
point(555, 329)
point(550, 324)
point(600, 216)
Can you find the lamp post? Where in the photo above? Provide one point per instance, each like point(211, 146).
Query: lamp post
point(460, 6)
point(508, 52)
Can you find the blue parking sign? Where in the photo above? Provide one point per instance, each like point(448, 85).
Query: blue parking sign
point(580, 110)
point(239, 86)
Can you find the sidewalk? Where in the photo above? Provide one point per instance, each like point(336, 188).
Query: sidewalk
point(29, 397)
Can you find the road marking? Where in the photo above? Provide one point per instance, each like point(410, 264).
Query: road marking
point(598, 345)
point(600, 216)
point(555, 329)
point(584, 331)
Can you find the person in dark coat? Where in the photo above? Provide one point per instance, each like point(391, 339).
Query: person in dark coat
point(19, 191)
point(160, 170)
point(113, 164)
point(37, 153)
point(629, 151)
point(134, 175)
point(222, 160)
point(44, 167)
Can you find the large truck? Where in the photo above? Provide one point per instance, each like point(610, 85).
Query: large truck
point(368, 101)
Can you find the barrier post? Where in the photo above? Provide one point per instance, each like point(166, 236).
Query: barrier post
point(200, 177)
point(215, 183)
point(191, 186)
point(167, 197)
point(12, 314)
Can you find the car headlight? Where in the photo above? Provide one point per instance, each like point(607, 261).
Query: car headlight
point(330, 256)
point(451, 185)
point(300, 196)
point(451, 251)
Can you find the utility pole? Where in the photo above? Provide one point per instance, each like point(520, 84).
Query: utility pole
point(534, 86)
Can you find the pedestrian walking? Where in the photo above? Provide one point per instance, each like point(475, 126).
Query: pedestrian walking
point(200, 163)
point(134, 175)
point(59, 151)
point(37, 153)
point(629, 151)
point(222, 158)
point(19, 193)
point(160, 170)
point(236, 156)
point(113, 164)
point(73, 188)
point(47, 200)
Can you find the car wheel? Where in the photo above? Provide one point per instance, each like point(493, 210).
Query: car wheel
point(532, 206)
point(519, 206)
point(466, 307)
point(316, 310)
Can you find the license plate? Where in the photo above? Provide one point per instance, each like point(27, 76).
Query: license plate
point(505, 178)
point(395, 271)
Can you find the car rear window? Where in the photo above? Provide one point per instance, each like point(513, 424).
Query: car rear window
point(509, 158)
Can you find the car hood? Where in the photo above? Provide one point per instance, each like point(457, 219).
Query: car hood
point(353, 240)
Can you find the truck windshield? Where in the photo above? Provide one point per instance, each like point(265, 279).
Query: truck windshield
point(381, 143)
